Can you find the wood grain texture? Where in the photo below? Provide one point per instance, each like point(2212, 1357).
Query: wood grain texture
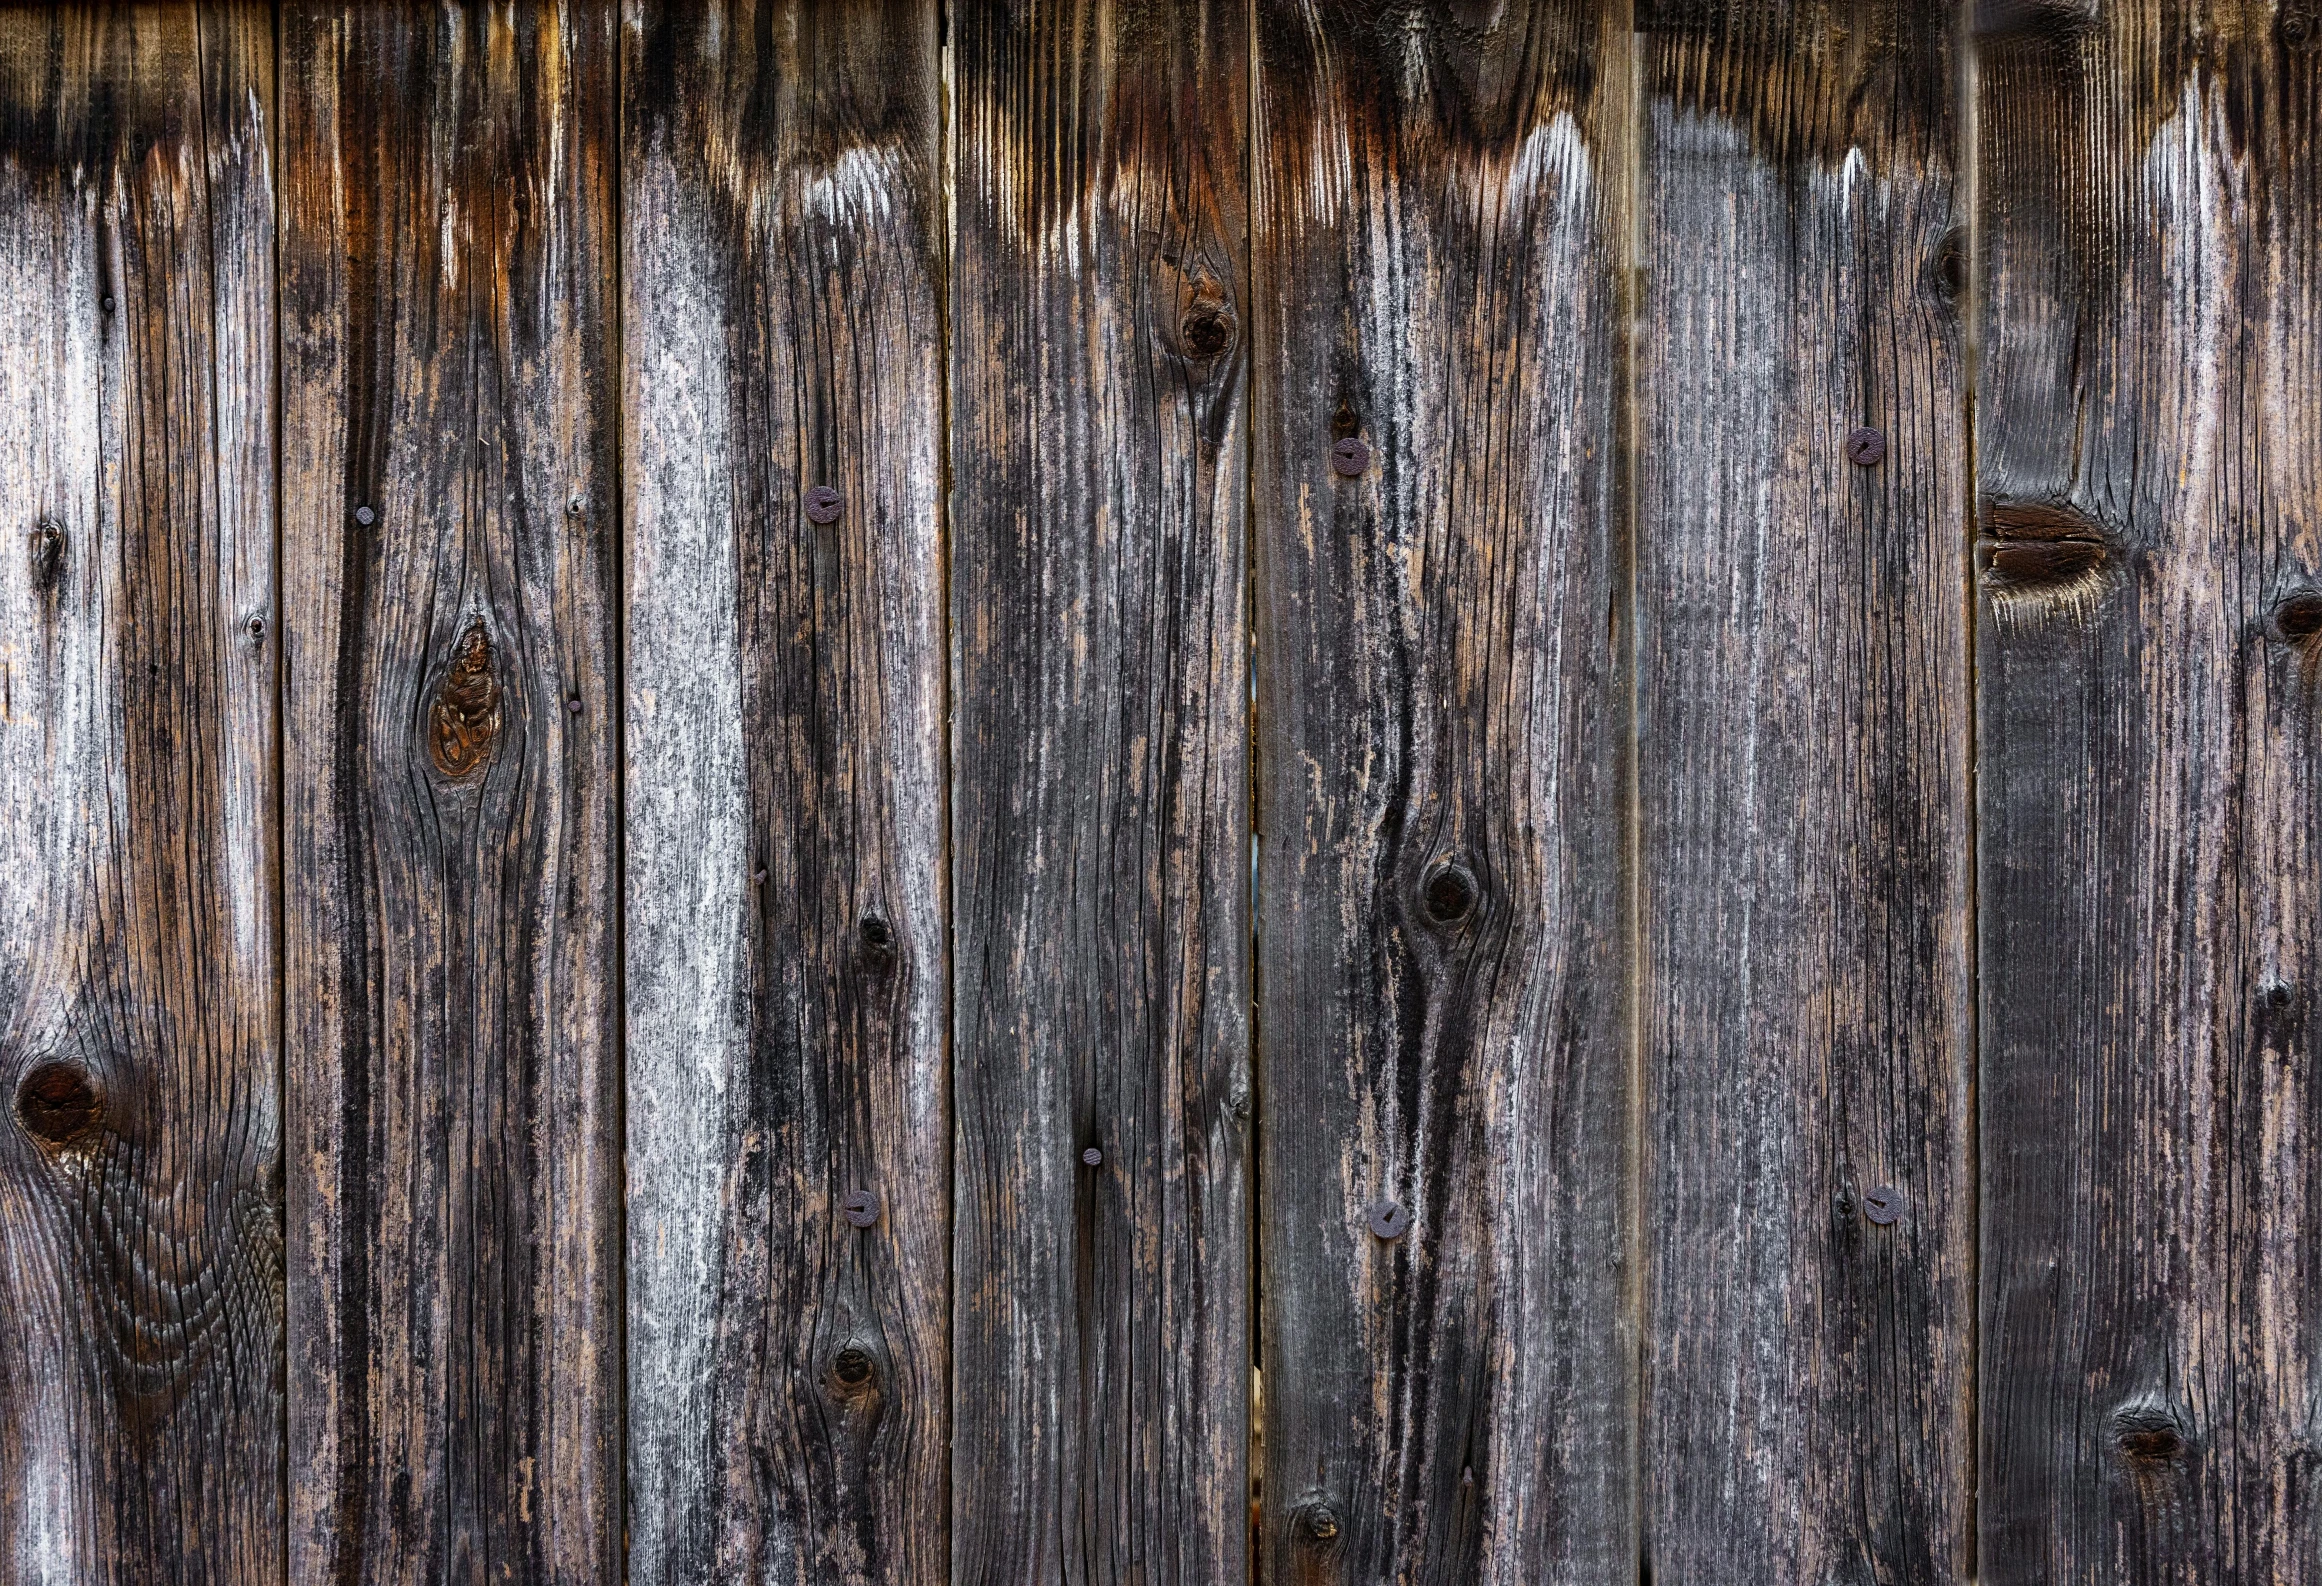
point(140, 1154)
point(2151, 843)
point(1803, 733)
point(785, 906)
point(1100, 817)
point(451, 792)
point(1439, 218)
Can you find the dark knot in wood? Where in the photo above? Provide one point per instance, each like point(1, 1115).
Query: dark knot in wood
point(47, 554)
point(1449, 893)
point(464, 722)
point(878, 935)
point(852, 1367)
point(1317, 1528)
point(2147, 1434)
point(60, 1103)
point(1208, 328)
point(2039, 548)
point(2299, 616)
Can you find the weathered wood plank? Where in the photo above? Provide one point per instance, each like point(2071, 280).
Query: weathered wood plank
point(1804, 819)
point(450, 791)
point(140, 1154)
point(1439, 218)
point(2149, 429)
point(782, 232)
point(1100, 794)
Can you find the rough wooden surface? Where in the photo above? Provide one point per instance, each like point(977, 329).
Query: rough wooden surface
point(1441, 731)
point(140, 1213)
point(786, 989)
point(1100, 788)
point(2148, 435)
point(1803, 731)
point(450, 771)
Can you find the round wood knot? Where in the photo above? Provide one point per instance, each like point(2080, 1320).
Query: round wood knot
point(1449, 893)
point(47, 553)
point(2299, 617)
point(1317, 1527)
point(851, 1366)
point(60, 1103)
point(2147, 1434)
point(464, 722)
point(878, 935)
point(1207, 332)
point(1951, 263)
point(860, 1207)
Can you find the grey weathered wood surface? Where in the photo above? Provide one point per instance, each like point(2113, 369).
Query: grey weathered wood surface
point(450, 781)
point(1099, 412)
point(782, 239)
point(1442, 701)
point(1803, 729)
point(610, 868)
point(2149, 426)
point(140, 1233)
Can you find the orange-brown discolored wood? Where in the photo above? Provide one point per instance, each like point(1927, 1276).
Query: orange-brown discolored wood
point(451, 770)
point(140, 1164)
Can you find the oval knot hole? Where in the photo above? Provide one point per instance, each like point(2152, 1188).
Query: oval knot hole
point(464, 722)
point(878, 935)
point(852, 1367)
point(2299, 616)
point(2038, 548)
point(1450, 893)
point(60, 1103)
point(2147, 1435)
point(47, 554)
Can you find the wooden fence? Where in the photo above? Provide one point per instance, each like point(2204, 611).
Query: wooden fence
point(1170, 792)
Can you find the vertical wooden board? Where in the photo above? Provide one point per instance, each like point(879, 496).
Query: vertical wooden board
point(2149, 432)
point(450, 792)
point(1804, 820)
point(1440, 211)
point(782, 233)
point(140, 1155)
point(1100, 796)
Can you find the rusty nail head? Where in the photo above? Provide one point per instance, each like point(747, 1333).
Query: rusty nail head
point(1387, 1219)
point(1866, 447)
point(822, 504)
point(573, 704)
point(860, 1207)
point(1883, 1205)
point(1350, 457)
point(365, 516)
point(1093, 1157)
